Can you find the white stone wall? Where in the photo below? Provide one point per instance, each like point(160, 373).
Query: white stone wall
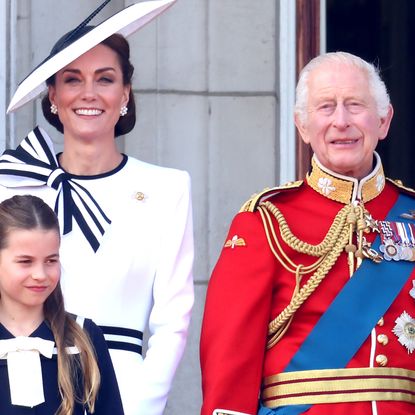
point(206, 85)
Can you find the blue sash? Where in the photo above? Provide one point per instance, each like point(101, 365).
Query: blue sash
point(331, 344)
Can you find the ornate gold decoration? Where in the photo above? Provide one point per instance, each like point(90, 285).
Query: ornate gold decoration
point(400, 185)
point(342, 188)
point(252, 203)
point(235, 241)
point(351, 218)
point(339, 385)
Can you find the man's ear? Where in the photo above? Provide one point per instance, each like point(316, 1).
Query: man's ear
point(301, 128)
point(385, 123)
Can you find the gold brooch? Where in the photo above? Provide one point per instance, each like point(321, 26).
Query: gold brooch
point(235, 241)
point(139, 196)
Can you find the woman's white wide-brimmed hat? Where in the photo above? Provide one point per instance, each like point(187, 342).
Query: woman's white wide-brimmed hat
point(125, 22)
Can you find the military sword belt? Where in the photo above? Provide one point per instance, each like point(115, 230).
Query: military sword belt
point(121, 338)
point(339, 385)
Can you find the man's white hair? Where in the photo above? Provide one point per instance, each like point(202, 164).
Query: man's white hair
point(377, 87)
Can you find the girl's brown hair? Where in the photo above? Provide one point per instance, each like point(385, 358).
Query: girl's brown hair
point(30, 213)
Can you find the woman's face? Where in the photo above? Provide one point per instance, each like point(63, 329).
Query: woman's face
point(29, 270)
point(89, 93)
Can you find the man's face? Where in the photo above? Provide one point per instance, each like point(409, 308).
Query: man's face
point(342, 124)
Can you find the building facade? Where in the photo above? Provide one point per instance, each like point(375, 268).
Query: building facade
point(214, 84)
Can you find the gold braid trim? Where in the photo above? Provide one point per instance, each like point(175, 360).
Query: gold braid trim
point(400, 185)
point(328, 251)
point(304, 247)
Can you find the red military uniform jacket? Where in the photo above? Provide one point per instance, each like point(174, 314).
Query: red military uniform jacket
point(249, 287)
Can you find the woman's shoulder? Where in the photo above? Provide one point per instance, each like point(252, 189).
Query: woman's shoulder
point(156, 173)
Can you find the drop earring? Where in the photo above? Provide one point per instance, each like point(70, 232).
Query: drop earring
point(123, 111)
point(53, 109)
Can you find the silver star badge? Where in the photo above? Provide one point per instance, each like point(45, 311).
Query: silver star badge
point(405, 331)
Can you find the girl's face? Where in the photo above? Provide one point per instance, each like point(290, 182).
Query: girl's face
point(29, 270)
point(89, 93)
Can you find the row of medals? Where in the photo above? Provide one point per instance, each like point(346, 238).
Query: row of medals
point(397, 240)
point(397, 244)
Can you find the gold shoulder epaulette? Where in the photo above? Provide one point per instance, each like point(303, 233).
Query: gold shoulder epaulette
point(400, 185)
point(251, 204)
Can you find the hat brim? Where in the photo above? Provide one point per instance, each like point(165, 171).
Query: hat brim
point(125, 22)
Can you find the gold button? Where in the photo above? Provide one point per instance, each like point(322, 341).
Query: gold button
point(139, 196)
point(381, 360)
point(383, 339)
point(381, 322)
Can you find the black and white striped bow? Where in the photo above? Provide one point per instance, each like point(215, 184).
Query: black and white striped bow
point(34, 163)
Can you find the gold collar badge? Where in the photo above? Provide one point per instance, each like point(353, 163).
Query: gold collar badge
point(346, 189)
